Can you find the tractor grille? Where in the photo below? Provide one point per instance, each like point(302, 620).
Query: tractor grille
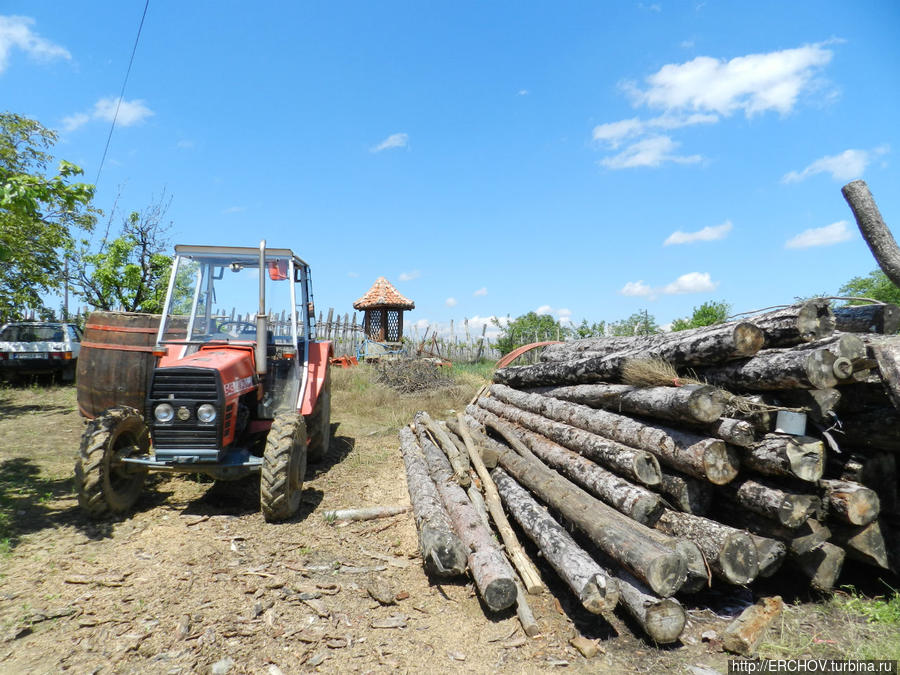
point(187, 387)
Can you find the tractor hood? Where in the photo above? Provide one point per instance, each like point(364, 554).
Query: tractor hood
point(235, 363)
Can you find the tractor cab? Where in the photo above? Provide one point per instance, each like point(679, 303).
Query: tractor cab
point(240, 384)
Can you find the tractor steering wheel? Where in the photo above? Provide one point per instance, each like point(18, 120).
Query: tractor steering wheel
point(236, 328)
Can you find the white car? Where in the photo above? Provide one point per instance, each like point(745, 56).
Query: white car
point(30, 348)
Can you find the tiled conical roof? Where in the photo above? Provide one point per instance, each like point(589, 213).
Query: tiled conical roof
point(383, 294)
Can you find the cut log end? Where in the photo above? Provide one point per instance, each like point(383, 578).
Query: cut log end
point(500, 594)
point(721, 463)
point(748, 339)
point(646, 469)
point(794, 510)
point(738, 559)
point(707, 403)
point(666, 574)
point(807, 460)
point(665, 621)
point(599, 595)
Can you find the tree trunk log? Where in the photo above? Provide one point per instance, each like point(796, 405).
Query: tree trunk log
point(804, 322)
point(707, 344)
point(634, 501)
point(697, 456)
point(685, 493)
point(526, 616)
point(637, 465)
point(662, 619)
point(873, 228)
point(887, 355)
point(822, 564)
point(743, 635)
point(800, 457)
point(365, 513)
point(690, 403)
point(820, 403)
point(877, 429)
point(864, 543)
point(730, 553)
point(493, 576)
point(623, 539)
point(850, 502)
point(771, 554)
point(735, 432)
point(488, 455)
point(442, 551)
point(769, 370)
point(883, 319)
point(514, 550)
point(787, 507)
point(799, 540)
point(877, 471)
point(460, 466)
point(590, 583)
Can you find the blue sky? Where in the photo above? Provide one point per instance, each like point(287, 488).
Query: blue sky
point(584, 159)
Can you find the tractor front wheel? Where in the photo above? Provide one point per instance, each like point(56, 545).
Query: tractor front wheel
point(104, 483)
point(319, 423)
point(283, 468)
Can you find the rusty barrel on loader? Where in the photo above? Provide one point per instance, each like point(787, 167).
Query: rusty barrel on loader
point(116, 361)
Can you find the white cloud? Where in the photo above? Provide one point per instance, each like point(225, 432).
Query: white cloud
point(706, 234)
point(392, 141)
point(613, 133)
point(450, 302)
point(821, 236)
point(234, 209)
point(524, 92)
point(687, 44)
point(409, 276)
point(544, 309)
point(652, 151)
point(481, 291)
point(754, 83)
point(130, 113)
point(846, 166)
point(16, 33)
point(636, 289)
point(693, 282)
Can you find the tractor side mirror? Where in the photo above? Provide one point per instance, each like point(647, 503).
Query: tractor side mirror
point(278, 270)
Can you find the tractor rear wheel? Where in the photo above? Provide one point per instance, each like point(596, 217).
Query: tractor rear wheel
point(319, 423)
point(283, 468)
point(104, 483)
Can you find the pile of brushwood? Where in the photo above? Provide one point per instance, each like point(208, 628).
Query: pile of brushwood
point(409, 376)
point(707, 457)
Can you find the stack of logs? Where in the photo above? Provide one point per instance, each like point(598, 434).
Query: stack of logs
point(677, 460)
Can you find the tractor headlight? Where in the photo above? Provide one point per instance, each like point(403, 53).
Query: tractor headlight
point(164, 412)
point(206, 413)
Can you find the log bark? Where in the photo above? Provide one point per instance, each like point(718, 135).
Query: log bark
point(743, 635)
point(638, 465)
point(800, 457)
point(634, 501)
point(798, 541)
point(524, 613)
point(787, 507)
point(365, 513)
point(493, 576)
point(514, 550)
point(877, 471)
point(623, 539)
point(775, 369)
point(864, 543)
point(690, 403)
point(873, 228)
point(442, 551)
point(685, 493)
point(488, 456)
point(771, 554)
point(707, 344)
point(822, 564)
point(733, 431)
point(460, 466)
point(730, 552)
point(590, 583)
point(803, 322)
point(695, 455)
point(820, 403)
point(877, 429)
point(662, 619)
point(887, 355)
point(850, 502)
point(882, 319)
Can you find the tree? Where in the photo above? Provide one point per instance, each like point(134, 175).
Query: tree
point(875, 285)
point(37, 214)
point(528, 328)
point(131, 271)
point(639, 323)
point(707, 314)
point(586, 330)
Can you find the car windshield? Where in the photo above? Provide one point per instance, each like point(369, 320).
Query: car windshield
point(32, 333)
point(215, 297)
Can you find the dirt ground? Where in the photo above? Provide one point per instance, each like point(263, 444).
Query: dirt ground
point(195, 581)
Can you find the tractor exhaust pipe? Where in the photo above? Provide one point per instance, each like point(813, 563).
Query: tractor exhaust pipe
point(261, 332)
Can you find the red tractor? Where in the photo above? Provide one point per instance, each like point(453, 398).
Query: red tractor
point(236, 388)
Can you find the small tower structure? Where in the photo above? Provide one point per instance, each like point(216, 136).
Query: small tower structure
point(383, 309)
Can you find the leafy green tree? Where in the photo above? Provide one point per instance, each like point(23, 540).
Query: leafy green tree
point(528, 328)
point(130, 271)
point(639, 323)
point(707, 314)
point(875, 285)
point(37, 214)
point(586, 330)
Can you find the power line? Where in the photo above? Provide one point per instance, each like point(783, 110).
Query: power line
point(122, 92)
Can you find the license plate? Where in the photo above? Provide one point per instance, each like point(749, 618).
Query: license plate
point(29, 355)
